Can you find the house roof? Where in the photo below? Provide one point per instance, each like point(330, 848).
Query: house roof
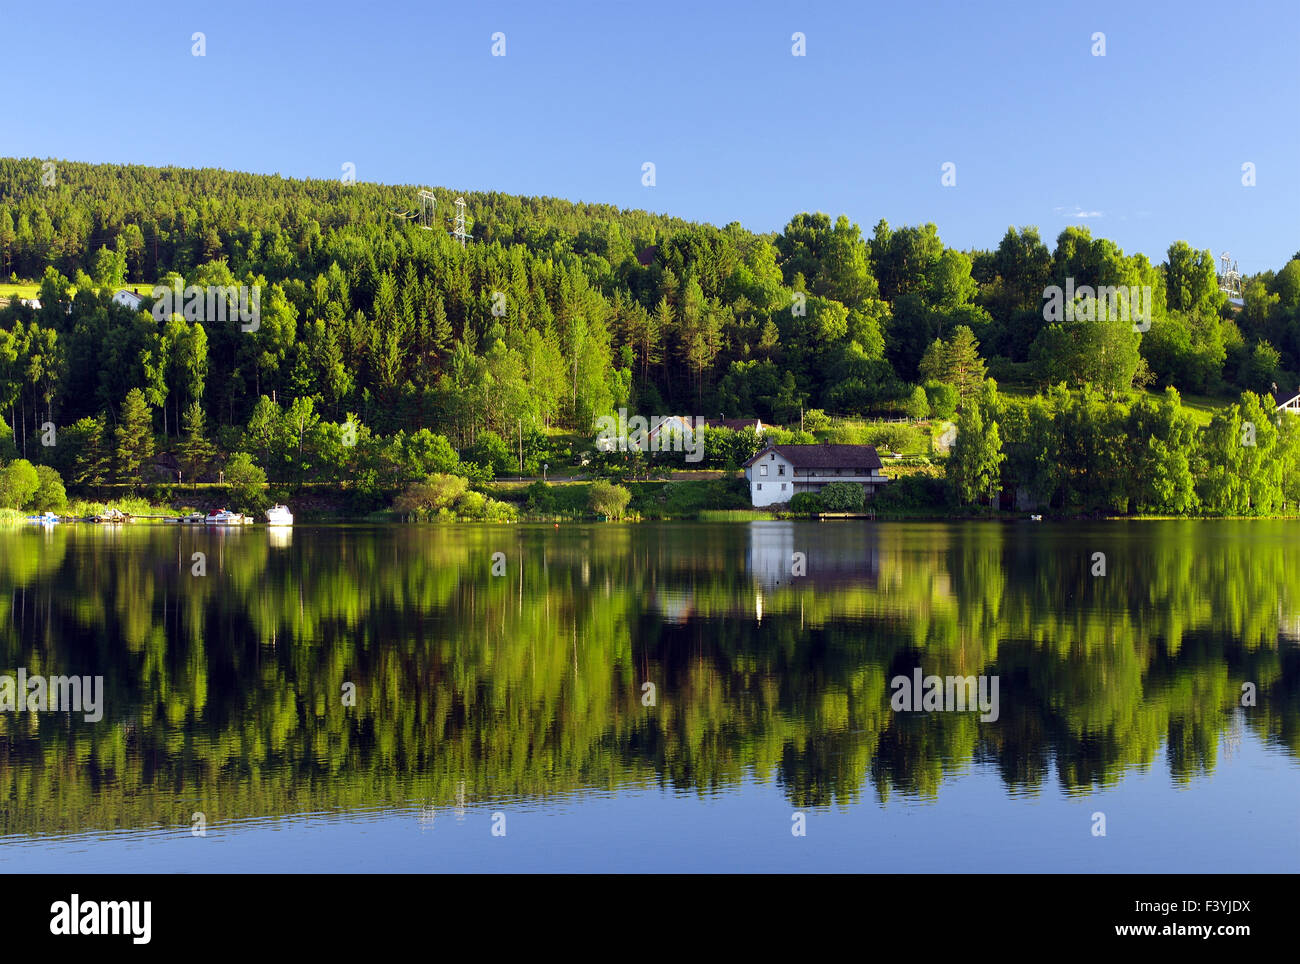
point(685, 421)
point(735, 424)
point(824, 456)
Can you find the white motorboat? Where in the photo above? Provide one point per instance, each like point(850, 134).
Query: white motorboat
point(279, 515)
point(224, 517)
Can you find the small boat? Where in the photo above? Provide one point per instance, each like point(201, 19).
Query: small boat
point(224, 517)
point(113, 516)
point(279, 515)
point(1035, 518)
point(193, 519)
point(44, 519)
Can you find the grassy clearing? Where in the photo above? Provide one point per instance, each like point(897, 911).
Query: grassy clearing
point(23, 289)
point(31, 289)
point(1200, 407)
point(903, 438)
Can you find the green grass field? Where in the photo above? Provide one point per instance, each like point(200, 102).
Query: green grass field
point(31, 289)
point(23, 289)
point(1200, 407)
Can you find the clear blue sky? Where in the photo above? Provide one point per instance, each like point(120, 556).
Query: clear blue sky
point(1144, 145)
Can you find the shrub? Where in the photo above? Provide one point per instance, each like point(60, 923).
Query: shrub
point(912, 493)
point(608, 499)
point(918, 404)
point(18, 483)
point(246, 481)
point(843, 497)
point(815, 420)
point(807, 503)
point(430, 496)
point(425, 452)
point(490, 449)
point(496, 511)
point(942, 398)
point(50, 495)
point(471, 505)
point(539, 498)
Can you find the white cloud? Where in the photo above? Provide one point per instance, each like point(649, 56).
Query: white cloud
point(1075, 211)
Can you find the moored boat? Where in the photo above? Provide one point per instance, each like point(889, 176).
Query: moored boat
point(44, 519)
point(279, 515)
point(224, 517)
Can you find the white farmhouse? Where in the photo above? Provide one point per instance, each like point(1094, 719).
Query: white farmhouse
point(128, 299)
point(779, 472)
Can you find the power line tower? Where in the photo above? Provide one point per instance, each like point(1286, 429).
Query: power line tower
point(458, 225)
point(428, 208)
point(1230, 280)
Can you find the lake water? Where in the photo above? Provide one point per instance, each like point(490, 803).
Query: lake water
point(655, 697)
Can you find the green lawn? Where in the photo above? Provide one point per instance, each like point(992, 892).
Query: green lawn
point(31, 289)
point(1201, 407)
point(23, 289)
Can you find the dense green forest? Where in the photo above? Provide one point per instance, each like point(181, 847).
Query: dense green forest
point(385, 350)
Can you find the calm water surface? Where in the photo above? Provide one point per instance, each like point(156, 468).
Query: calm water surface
point(518, 703)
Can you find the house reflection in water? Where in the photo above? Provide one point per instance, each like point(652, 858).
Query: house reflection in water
point(834, 554)
point(675, 605)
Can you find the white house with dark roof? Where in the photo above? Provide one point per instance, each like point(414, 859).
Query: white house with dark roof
point(128, 299)
point(779, 472)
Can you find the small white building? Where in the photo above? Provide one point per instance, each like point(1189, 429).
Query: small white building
point(128, 299)
point(780, 472)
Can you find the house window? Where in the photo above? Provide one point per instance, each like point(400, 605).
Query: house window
point(762, 470)
point(760, 487)
point(780, 470)
point(782, 486)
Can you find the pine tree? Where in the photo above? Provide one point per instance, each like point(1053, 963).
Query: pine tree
point(441, 329)
point(134, 436)
point(770, 340)
point(652, 334)
point(90, 464)
point(195, 449)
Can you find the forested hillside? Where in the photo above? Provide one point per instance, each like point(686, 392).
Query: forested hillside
point(554, 313)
